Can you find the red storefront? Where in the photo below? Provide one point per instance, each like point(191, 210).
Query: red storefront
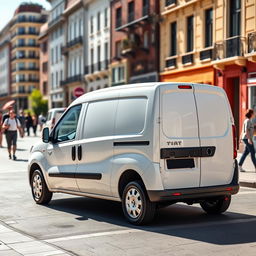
point(239, 82)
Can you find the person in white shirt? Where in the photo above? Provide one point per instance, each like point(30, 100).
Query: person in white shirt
point(11, 125)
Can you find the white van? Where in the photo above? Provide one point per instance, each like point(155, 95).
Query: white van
point(146, 145)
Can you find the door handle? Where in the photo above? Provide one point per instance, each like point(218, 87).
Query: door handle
point(73, 153)
point(79, 152)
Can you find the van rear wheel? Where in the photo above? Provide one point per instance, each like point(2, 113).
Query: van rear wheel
point(216, 205)
point(40, 191)
point(137, 207)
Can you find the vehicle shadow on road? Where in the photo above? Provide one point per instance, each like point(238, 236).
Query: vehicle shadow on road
point(178, 220)
point(21, 160)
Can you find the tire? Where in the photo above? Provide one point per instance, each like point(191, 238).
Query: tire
point(40, 191)
point(137, 207)
point(216, 205)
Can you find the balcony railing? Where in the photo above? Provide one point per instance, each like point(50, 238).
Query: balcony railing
point(25, 69)
point(170, 2)
point(187, 59)
point(25, 33)
point(24, 57)
point(55, 21)
point(171, 63)
point(24, 19)
point(73, 79)
point(28, 80)
point(25, 45)
point(70, 44)
point(99, 66)
point(206, 54)
point(252, 42)
point(231, 47)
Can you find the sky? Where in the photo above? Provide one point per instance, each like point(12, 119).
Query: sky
point(9, 6)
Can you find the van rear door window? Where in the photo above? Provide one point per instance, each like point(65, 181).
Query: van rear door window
point(131, 115)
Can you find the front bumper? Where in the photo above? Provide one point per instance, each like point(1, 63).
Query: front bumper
point(196, 194)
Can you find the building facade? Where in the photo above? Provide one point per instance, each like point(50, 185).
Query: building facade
point(187, 41)
point(235, 54)
point(56, 69)
point(43, 63)
point(97, 48)
point(73, 49)
point(25, 28)
point(5, 52)
point(134, 41)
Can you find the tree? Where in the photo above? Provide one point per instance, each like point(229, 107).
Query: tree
point(39, 105)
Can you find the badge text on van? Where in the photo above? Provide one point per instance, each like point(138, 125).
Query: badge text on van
point(176, 143)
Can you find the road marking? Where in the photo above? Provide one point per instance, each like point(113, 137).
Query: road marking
point(128, 231)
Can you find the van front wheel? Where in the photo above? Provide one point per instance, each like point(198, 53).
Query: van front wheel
point(137, 207)
point(216, 205)
point(40, 191)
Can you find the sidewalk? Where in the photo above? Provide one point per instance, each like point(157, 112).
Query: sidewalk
point(248, 178)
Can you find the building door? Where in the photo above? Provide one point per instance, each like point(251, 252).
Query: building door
point(233, 92)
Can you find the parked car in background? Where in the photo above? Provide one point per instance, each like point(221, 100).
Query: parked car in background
point(53, 117)
point(145, 145)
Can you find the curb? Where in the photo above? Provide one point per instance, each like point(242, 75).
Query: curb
point(247, 184)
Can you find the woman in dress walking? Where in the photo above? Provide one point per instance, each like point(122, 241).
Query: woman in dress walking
point(247, 138)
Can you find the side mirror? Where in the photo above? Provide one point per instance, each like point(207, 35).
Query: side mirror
point(46, 135)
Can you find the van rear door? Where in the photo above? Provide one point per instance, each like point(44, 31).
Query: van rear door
point(179, 138)
point(215, 129)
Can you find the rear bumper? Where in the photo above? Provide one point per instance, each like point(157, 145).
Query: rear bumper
point(193, 194)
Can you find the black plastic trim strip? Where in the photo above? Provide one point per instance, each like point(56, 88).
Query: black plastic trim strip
point(89, 176)
point(131, 143)
point(187, 152)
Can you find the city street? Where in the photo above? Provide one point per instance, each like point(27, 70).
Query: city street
point(72, 225)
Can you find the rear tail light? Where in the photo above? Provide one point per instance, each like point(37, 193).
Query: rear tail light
point(234, 141)
point(185, 87)
point(176, 194)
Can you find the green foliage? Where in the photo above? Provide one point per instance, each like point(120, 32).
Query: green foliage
point(39, 105)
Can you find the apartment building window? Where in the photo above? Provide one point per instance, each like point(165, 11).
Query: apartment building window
point(52, 82)
point(21, 42)
point(98, 56)
point(235, 17)
point(75, 27)
point(52, 56)
point(118, 49)
point(21, 31)
point(91, 23)
point(118, 75)
point(106, 51)
point(44, 47)
point(118, 17)
point(56, 54)
point(45, 67)
point(61, 75)
point(130, 11)
point(31, 42)
point(208, 27)
point(106, 17)
point(98, 21)
point(44, 88)
point(190, 33)
point(57, 79)
point(173, 39)
point(145, 40)
point(92, 61)
point(145, 7)
point(80, 27)
point(32, 30)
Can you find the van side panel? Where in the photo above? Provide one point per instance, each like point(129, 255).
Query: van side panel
point(215, 129)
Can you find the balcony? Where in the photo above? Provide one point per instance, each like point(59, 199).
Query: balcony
point(73, 79)
point(171, 62)
point(128, 47)
point(99, 69)
point(25, 20)
point(25, 69)
point(187, 59)
point(206, 54)
point(24, 34)
point(71, 44)
point(26, 80)
point(170, 3)
point(52, 23)
point(24, 57)
point(25, 45)
point(251, 54)
point(228, 52)
point(142, 67)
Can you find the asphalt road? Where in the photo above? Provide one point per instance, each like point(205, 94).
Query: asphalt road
point(83, 226)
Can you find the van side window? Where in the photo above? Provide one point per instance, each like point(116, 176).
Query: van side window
point(100, 119)
point(66, 128)
point(131, 115)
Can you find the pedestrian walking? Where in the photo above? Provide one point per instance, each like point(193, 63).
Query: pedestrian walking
point(11, 125)
point(29, 123)
point(1, 126)
point(34, 124)
point(247, 138)
point(22, 120)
